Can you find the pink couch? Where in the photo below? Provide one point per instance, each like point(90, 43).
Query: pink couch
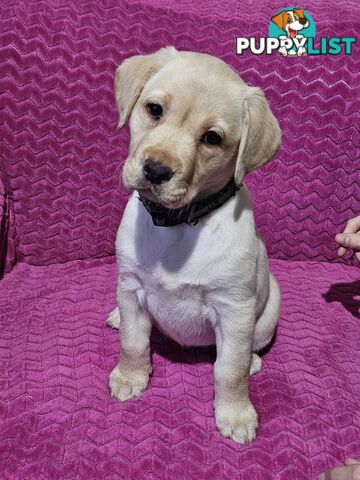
point(61, 203)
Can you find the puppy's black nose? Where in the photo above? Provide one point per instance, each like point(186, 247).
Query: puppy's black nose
point(303, 21)
point(156, 172)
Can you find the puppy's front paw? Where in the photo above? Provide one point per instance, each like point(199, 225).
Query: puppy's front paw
point(237, 421)
point(124, 386)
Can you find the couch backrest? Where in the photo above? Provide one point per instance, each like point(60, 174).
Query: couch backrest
point(61, 153)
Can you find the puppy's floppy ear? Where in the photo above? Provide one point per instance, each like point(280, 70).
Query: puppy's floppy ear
point(132, 75)
point(299, 12)
point(260, 136)
point(280, 20)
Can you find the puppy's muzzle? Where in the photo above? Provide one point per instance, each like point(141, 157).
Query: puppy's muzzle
point(156, 172)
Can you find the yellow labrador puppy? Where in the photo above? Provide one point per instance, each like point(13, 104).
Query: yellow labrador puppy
point(190, 259)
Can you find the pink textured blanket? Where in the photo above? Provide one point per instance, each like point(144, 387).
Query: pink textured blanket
point(60, 423)
point(60, 206)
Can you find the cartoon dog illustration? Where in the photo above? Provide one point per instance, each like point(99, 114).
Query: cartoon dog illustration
point(292, 22)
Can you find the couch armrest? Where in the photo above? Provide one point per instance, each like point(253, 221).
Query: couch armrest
point(7, 231)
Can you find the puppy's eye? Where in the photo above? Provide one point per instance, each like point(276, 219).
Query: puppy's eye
point(289, 20)
point(155, 110)
point(211, 138)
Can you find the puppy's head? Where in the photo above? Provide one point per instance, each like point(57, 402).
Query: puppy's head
point(291, 21)
point(194, 123)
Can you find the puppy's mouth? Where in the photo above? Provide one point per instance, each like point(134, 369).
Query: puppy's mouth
point(172, 194)
point(167, 196)
point(292, 33)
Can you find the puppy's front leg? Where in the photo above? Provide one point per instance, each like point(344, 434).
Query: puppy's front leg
point(131, 375)
point(235, 415)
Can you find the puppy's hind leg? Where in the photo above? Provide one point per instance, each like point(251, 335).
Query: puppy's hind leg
point(255, 365)
point(266, 324)
point(113, 319)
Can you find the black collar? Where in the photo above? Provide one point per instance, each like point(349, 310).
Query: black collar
point(192, 212)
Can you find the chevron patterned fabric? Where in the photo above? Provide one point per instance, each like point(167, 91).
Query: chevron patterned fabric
point(62, 154)
point(60, 206)
point(59, 421)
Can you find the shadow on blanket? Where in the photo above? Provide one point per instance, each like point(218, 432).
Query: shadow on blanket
point(348, 294)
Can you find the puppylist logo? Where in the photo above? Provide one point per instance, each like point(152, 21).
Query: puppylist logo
point(292, 33)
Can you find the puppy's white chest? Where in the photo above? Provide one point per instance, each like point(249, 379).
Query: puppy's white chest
point(183, 275)
point(179, 311)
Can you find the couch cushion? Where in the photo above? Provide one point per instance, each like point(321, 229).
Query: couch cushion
point(58, 420)
point(62, 153)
